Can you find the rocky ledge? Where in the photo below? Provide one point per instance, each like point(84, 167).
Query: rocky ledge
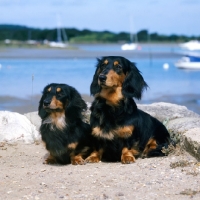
point(183, 125)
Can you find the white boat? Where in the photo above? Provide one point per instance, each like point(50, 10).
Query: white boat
point(188, 62)
point(133, 38)
point(57, 44)
point(131, 46)
point(61, 37)
point(191, 45)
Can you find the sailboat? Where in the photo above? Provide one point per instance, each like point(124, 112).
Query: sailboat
point(60, 33)
point(133, 37)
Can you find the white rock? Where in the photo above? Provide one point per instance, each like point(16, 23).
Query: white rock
point(16, 127)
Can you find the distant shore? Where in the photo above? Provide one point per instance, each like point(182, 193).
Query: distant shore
point(55, 53)
point(30, 104)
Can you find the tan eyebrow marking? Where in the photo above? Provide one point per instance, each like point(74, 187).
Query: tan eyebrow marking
point(105, 62)
point(49, 89)
point(116, 63)
point(58, 89)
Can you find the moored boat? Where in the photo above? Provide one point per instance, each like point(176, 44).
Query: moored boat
point(188, 62)
point(192, 45)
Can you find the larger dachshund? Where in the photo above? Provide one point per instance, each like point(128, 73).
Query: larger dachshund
point(66, 136)
point(120, 130)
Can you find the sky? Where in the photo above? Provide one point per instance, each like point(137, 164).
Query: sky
point(161, 16)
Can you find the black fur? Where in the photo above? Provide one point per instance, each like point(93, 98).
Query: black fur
point(60, 109)
point(108, 116)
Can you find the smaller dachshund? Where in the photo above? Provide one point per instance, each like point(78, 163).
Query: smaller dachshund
point(120, 130)
point(66, 136)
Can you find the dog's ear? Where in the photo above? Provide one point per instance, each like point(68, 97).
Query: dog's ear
point(94, 87)
point(41, 111)
point(76, 104)
point(134, 83)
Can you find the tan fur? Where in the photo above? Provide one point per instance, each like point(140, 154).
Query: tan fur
point(49, 89)
point(77, 160)
point(112, 91)
point(125, 132)
point(112, 95)
point(151, 144)
point(114, 79)
point(50, 160)
point(105, 62)
point(122, 132)
point(58, 89)
point(57, 119)
point(116, 63)
point(72, 145)
point(95, 156)
point(55, 104)
point(128, 155)
point(97, 132)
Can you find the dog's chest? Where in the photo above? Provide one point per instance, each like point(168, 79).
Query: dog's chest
point(56, 121)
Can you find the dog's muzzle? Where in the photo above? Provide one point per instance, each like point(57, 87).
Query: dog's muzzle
point(102, 78)
point(46, 103)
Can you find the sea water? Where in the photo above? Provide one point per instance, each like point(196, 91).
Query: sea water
point(25, 77)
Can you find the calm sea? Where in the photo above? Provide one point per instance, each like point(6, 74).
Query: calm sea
point(25, 77)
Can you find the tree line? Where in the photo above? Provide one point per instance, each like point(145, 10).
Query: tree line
point(24, 33)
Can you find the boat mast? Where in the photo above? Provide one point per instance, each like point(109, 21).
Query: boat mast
point(133, 37)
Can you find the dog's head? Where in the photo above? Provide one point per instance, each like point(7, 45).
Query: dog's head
point(61, 98)
point(117, 72)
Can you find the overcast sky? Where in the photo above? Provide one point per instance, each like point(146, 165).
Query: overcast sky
point(161, 16)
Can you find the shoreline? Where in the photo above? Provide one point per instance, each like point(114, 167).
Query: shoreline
point(34, 53)
point(30, 104)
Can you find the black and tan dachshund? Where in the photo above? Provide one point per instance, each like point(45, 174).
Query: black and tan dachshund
point(66, 136)
point(120, 130)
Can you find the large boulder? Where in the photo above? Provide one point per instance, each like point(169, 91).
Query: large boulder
point(167, 111)
point(16, 127)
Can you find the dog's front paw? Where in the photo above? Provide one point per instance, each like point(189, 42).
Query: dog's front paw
point(50, 160)
point(92, 159)
point(77, 160)
point(127, 156)
point(127, 159)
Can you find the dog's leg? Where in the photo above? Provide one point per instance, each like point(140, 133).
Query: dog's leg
point(127, 156)
point(77, 159)
point(50, 160)
point(95, 156)
point(151, 145)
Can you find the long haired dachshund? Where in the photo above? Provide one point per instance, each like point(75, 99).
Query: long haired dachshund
point(120, 130)
point(66, 136)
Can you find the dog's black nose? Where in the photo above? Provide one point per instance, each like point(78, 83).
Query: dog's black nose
point(46, 103)
point(102, 78)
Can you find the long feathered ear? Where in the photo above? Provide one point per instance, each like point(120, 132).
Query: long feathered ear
point(134, 83)
point(41, 112)
point(76, 104)
point(94, 87)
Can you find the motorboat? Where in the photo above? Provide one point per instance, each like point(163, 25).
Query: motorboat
point(192, 45)
point(189, 62)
